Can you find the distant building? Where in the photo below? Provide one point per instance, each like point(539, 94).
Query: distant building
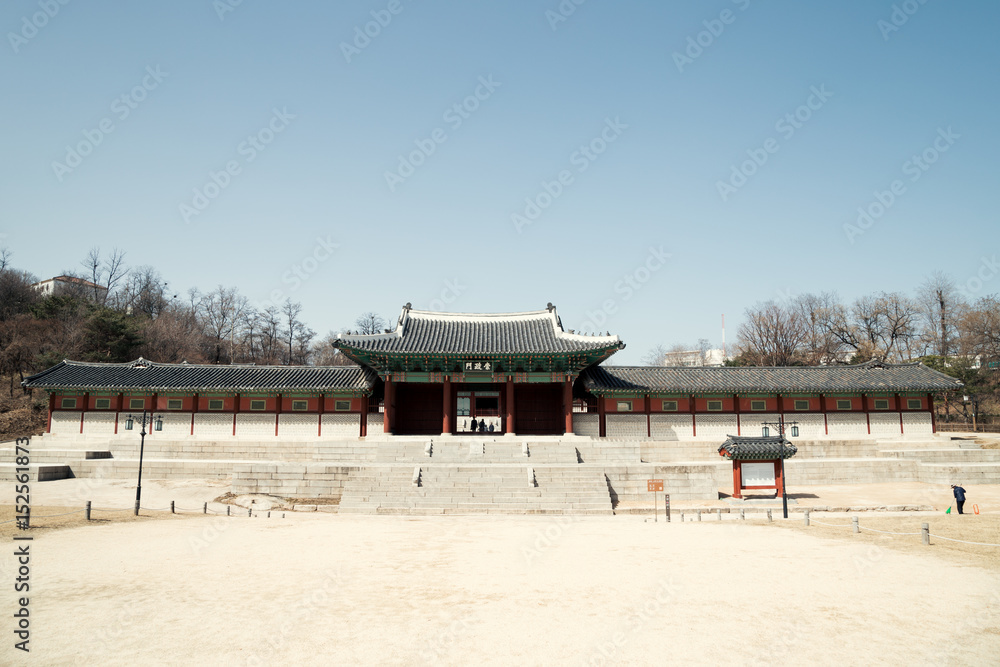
point(61, 285)
point(693, 358)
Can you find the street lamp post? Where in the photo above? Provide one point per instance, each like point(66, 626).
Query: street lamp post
point(780, 424)
point(157, 425)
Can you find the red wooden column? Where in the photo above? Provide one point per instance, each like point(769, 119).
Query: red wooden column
point(236, 411)
point(868, 418)
point(510, 405)
point(649, 426)
point(194, 411)
point(779, 479)
point(736, 409)
point(781, 410)
point(737, 479)
point(602, 417)
point(930, 408)
point(899, 408)
point(568, 405)
point(277, 414)
point(446, 407)
point(86, 404)
point(364, 415)
point(694, 419)
point(387, 401)
point(52, 406)
point(118, 410)
point(822, 407)
point(321, 408)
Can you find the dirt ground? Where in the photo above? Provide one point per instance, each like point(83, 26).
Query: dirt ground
point(316, 588)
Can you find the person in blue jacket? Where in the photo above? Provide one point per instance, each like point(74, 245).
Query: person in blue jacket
point(959, 497)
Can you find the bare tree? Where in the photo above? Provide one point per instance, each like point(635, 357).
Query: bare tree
point(104, 272)
point(771, 335)
point(296, 333)
point(940, 305)
point(325, 354)
point(655, 356)
point(220, 313)
point(5, 254)
point(370, 323)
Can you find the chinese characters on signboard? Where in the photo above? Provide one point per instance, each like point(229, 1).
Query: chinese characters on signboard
point(478, 366)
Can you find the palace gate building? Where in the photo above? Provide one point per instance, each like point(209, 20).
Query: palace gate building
point(504, 412)
point(507, 374)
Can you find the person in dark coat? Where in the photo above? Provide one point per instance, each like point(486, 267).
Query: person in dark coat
point(959, 497)
point(475, 425)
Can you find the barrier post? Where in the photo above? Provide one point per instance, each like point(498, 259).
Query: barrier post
point(699, 515)
point(769, 517)
point(228, 507)
point(718, 513)
point(743, 514)
point(854, 524)
point(204, 508)
point(88, 511)
point(925, 533)
point(807, 517)
point(172, 507)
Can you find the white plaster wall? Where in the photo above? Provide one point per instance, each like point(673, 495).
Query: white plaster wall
point(671, 427)
point(717, 426)
point(256, 426)
point(98, 423)
point(299, 425)
point(211, 424)
point(885, 423)
point(342, 423)
point(847, 424)
point(66, 423)
point(626, 426)
point(585, 423)
point(917, 423)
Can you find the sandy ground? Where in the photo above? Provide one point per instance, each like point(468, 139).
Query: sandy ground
point(327, 589)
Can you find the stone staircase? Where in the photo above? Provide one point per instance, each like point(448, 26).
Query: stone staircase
point(476, 489)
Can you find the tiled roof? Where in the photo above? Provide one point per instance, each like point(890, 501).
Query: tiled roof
point(420, 331)
point(870, 377)
point(745, 448)
point(152, 376)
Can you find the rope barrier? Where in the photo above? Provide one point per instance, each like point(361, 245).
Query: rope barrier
point(99, 509)
point(885, 532)
point(832, 525)
point(952, 539)
point(51, 516)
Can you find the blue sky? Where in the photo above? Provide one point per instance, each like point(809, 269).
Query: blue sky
point(582, 166)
